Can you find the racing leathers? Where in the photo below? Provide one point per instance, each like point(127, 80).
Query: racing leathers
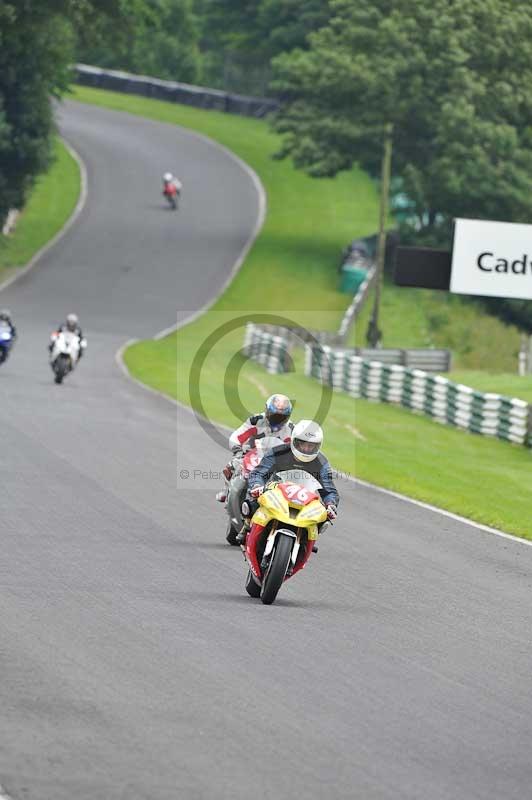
point(173, 182)
point(280, 459)
point(256, 427)
point(243, 439)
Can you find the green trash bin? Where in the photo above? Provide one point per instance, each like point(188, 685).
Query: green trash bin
point(352, 277)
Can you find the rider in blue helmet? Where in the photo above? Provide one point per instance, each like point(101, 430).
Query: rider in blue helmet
point(273, 421)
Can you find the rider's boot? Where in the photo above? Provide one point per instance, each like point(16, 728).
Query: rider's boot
point(240, 538)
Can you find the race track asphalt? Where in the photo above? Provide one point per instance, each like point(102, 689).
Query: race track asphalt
point(133, 666)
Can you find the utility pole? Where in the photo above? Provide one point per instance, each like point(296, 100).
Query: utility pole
point(373, 335)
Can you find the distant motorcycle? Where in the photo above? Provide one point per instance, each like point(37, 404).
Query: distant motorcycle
point(236, 490)
point(64, 354)
point(283, 532)
point(6, 343)
point(171, 192)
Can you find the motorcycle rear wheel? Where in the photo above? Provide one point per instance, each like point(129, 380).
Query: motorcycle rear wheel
point(277, 568)
point(230, 535)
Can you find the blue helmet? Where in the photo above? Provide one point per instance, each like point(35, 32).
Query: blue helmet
point(278, 410)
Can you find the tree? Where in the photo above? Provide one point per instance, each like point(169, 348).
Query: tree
point(31, 67)
point(162, 41)
point(36, 41)
point(454, 79)
point(240, 37)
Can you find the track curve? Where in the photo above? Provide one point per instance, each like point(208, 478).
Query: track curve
point(132, 663)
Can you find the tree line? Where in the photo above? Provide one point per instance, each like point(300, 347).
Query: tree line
point(452, 78)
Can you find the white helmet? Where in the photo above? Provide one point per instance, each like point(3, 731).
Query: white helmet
point(168, 176)
point(72, 322)
point(307, 438)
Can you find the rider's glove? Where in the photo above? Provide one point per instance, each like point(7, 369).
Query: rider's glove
point(332, 513)
point(256, 491)
point(237, 451)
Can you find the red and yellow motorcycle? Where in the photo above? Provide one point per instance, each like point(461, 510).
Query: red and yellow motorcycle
point(283, 532)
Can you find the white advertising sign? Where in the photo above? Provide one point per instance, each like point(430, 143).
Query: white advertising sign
point(492, 259)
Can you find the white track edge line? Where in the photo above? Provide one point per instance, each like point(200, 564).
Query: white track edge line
point(119, 356)
point(82, 198)
point(443, 512)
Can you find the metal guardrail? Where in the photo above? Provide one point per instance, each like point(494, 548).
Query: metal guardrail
point(429, 359)
point(259, 339)
point(174, 92)
point(445, 401)
point(354, 372)
point(295, 336)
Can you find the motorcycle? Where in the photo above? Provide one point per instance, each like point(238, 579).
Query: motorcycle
point(283, 532)
point(64, 353)
point(236, 490)
point(6, 343)
point(171, 194)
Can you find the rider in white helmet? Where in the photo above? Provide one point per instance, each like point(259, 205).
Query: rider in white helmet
point(303, 453)
point(71, 324)
point(169, 179)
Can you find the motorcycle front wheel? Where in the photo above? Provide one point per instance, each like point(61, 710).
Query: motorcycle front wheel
point(277, 568)
point(61, 366)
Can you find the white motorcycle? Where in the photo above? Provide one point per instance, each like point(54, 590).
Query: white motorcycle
point(64, 353)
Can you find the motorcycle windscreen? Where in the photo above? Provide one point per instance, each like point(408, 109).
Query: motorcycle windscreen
point(300, 476)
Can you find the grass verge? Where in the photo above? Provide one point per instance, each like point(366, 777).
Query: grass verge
point(51, 203)
point(304, 232)
point(459, 471)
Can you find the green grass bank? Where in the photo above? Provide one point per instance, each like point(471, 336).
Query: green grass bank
point(306, 228)
point(51, 203)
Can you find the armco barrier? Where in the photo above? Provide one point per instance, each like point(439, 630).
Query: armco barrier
point(174, 92)
point(429, 359)
point(269, 349)
point(262, 338)
point(271, 345)
point(447, 402)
